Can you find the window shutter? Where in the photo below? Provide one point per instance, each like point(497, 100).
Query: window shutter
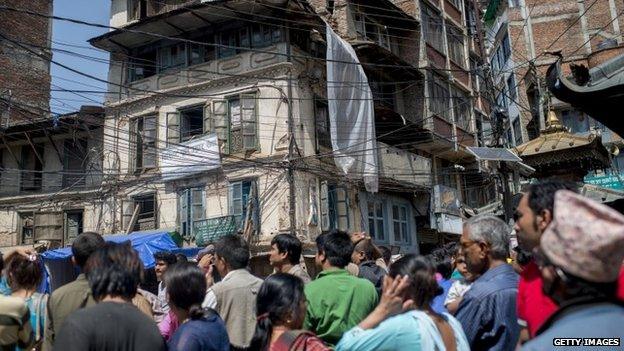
point(149, 141)
point(342, 208)
point(127, 212)
point(132, 146)
point(48, 226)
point(220, 120)
point(208, 123)
point(173, 128)
point(249, 121)
point(324, 197)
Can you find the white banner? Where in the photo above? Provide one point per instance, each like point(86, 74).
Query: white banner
point(189, 158)
point(351, 113)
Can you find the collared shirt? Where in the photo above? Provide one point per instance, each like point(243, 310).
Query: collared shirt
point(596, 320)
point(488, 310)
point(337, 301)
point(161, 308)
point(534, 307)
point(298, 271)
point(63, 301)
point(413, 330)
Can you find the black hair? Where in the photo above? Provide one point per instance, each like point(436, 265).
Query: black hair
point(278, 300)
point(336, 246)
point(180, 258)
point(85, 245)
point(579, 288)
point(369, 249)
point(186, 286)
point(541, 195)
point(290, 244)
point(442, 259)
point(385, 253)
point(115, 269)
point(423, 285)
point(234, 250)
point(523, 257)
point(167, 257)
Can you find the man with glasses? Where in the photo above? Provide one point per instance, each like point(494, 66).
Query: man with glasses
point(533, 215)
point(487, 311)
point(579, 259)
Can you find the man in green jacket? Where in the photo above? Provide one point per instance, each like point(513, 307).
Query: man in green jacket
point(337, 301)
point(75, 295)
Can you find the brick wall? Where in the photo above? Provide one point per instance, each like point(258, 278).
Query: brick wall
point(23, 74)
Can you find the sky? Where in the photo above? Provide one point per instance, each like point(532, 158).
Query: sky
point(73, 37)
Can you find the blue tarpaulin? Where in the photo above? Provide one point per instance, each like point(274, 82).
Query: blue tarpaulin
point(147, 243)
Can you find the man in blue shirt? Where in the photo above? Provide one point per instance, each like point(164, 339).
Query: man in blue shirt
point(580, 257)
point(488, 310)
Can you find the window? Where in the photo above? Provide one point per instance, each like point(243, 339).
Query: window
point(506, 45)
point(511, 88)
point(439, 97)
point(137, 9)
point(191, 209)
point(143, 136)
point(73, 225)
point(173, 56)
point(399, 223)
point(191, 123)
point(239, 196)
point(432, 28)
point(32, 168)
point(517, 131)
point(76, 160)
point(376, 225)
point(26, 232)
point(264, 35)
point(372, 30)
point(461, 109)
point(234, 120)
point(334, 207)
point(146, 214)
point(383, 92)
point(143, 64)
point(202, 53)
point(457, 4)
point(455, 39)
point(321, 116)
point(48, 226)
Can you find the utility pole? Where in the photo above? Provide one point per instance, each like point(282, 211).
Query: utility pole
point(291, 142)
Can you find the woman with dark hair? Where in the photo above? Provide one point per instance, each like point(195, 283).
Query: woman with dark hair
point(404, 319)
point(24, 275)
point(281, 309)
point(200, 329)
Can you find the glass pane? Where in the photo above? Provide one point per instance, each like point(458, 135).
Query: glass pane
point(379, 210)
point(198, 212)
point(371, 228)
point(397, 231)
point(235, 112)
point(371, 209)
point(404, 232)
point(395, 212)
point(380, 230)
point(197, 195)
point(403, 213)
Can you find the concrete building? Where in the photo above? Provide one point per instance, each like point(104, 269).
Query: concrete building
point(254, 74)
point(520, 33)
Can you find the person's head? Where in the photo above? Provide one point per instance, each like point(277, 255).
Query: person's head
point(460, 263)
point(535, 211)
point(280, 302)
point(231, 253)
point(386, 254)
point(84, 245)
point(163, 261)
point(334, 249)
point(180, 257)
point(24, 272)
point(484, 241)
point(186, 288)
point(285, 249)
point(114, 270)
point(443, 262)
point(423, 285)
point(581, 252)
point(364, 250)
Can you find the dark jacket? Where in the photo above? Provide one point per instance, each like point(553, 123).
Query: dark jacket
point(371, 271)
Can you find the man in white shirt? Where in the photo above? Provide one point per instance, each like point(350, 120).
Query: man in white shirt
point(163, 261)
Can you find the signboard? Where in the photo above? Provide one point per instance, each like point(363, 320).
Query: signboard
point(605, 181)
point(211, 229)
point(446, 200)
point(190, 158)
point(449, 224)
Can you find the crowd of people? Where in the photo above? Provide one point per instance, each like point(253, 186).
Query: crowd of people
point(475, 294)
